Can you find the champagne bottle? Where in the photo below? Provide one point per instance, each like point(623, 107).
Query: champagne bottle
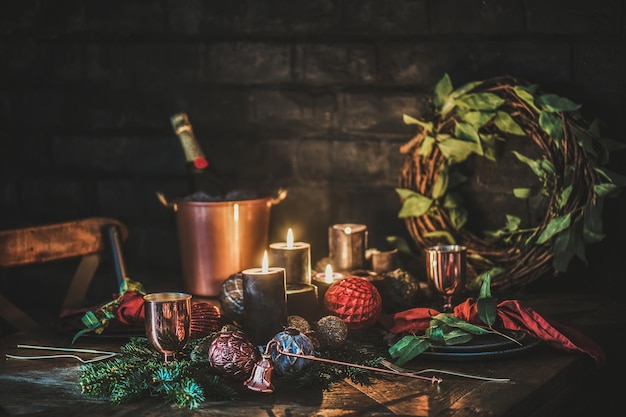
point(200, 176)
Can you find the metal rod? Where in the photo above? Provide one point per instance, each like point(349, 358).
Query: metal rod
point(432, 379)
point(118, 259)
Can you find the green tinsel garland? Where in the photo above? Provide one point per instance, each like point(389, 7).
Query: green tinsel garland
point(139, 372)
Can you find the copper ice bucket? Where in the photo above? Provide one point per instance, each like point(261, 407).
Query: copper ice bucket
point(218, 239)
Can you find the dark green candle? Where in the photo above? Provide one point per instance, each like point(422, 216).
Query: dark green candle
point(264, 303)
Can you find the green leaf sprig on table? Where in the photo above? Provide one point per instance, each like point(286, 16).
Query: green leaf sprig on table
point(447, 329)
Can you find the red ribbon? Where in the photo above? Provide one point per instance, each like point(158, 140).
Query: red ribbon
point(512, 315)
point(131, 309)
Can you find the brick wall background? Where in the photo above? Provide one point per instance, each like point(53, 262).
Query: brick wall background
point(306, 95)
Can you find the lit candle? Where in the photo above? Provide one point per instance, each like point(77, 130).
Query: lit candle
point(347, 243)
point(264, 302)
point(295, 257)
point(323, 280)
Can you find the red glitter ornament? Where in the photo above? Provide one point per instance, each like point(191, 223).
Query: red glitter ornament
point(205, 319)
point(354, 300)
point(232, 355)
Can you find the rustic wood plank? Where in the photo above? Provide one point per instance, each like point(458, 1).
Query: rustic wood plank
point(46, 243)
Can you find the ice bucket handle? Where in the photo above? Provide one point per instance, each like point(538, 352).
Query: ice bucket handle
point(278, 196)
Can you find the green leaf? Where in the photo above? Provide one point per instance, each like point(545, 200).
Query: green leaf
point(415, 205)
point(401, 344)
point(453, 321)
point(440, 187)
point(401, 245)
point(604, 189)
point(480, 101)
point(485, 288)
point(467, 132)
point(556, 225)
point(547, 166)
point(527, 96)
point(552, 125)
point(614, 177)
point(435, 332)
point(486, 304)
point(528, 192)
point(405, 193)
point(477, 118)
point(455, 150)
point(427, 147)
point(507, 124)
point(441, 235)
point(489, 146)
point(427, 126)
point(465, 88)
point(584, 138)
point(458, 217)
point(476, 284)
point(442, 91)
point(592, 222)
point(553, 103)
point(409, 350)
point(612, 145)
point(563, 251)
point(535, 165)
point(456, 337)
point(565, 194)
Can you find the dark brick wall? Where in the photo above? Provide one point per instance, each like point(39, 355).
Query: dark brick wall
point(307, 95)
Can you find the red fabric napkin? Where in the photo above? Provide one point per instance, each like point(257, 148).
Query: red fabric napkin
point(512, 315)
point(130, 311)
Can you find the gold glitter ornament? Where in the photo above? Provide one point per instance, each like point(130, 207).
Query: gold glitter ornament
point(299, 323)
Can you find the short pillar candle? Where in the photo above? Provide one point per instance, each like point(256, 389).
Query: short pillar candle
point(323, 280)
point(295, 257)
point(264, 302)
point(347, 243)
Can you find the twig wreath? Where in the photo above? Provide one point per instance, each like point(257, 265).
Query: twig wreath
point(571, 174)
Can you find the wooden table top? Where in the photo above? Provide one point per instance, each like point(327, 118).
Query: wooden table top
point(544, 381)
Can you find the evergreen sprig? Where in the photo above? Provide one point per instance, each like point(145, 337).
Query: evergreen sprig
point(139, 372)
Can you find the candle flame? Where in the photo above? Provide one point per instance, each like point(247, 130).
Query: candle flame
point(347, 230)
point(290, 239)
point(329, 274)
point(265, 263)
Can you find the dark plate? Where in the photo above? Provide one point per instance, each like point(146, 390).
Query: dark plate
point(527, 342)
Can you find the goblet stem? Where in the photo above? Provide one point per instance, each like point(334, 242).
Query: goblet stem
point(445, 269)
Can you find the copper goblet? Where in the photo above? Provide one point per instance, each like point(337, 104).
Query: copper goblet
point(168, 321)
point(445, 269)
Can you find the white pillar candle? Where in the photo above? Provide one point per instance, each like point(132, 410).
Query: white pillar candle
point(347, 243)
point(295, 257)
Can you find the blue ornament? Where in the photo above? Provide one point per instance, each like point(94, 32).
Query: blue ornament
point(290, 341)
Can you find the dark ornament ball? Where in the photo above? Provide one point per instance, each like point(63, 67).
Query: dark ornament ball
point(232, 355)
point(292, 341)
point(332, 331)
point(354, 300)
point(299, 323)
point(205, 319)
point(402, 291)
point(231, 297)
